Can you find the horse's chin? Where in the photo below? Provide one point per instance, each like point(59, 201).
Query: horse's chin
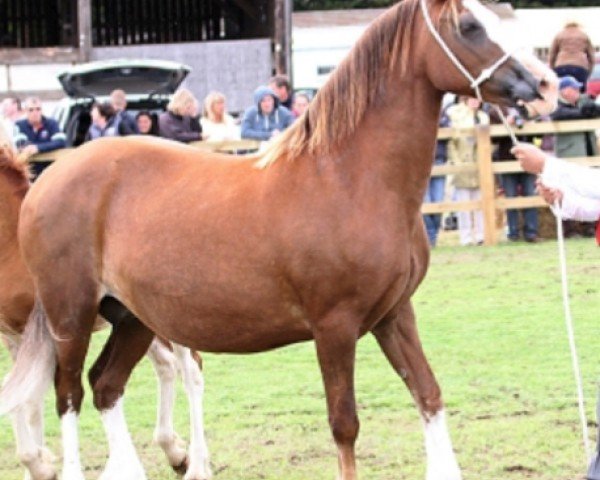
point(547, 88)
point(541, 107)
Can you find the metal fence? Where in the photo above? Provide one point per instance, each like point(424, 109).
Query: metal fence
point(136, 22)
point(38, 23)
point(54, 23)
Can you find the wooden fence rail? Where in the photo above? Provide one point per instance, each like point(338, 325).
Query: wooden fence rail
point(490, 202)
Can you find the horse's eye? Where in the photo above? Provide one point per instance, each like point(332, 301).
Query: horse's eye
point(469, 27)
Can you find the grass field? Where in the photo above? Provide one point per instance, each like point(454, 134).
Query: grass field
point(492, 324)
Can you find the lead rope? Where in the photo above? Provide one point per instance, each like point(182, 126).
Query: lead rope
point(566, 306)
point(571, 332)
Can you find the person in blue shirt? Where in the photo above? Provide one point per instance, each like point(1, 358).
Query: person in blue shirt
point(37, 133)
point(266, 118)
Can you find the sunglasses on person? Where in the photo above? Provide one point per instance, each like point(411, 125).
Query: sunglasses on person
point(34, 109)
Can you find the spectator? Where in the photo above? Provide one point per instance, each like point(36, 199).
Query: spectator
point(217, 124)
point(145, 123)
point(572, 53)
point(103, 122)
point(516, 184)
point(462, 150)
point(124, 121)
point(574, 187)
point(37, 134)
point(437, 186)
point(572, 105)
point(280, 84)
point(181, 122)
point(11, 109)
point(10, 113)
point(300, 105)
point(266, 119)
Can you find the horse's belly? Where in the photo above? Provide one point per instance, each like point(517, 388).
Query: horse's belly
point(225, 334)
point(225, 322)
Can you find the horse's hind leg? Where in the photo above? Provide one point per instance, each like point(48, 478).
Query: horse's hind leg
point(399, 340)
point(165, 364)
point(129, 342)
point(193, 381)
point(336, 349)
point(28, 428)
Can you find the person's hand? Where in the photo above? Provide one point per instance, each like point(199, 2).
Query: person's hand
point(274, 133)
point(29, 151)
point(531, 157)
point(550, 195)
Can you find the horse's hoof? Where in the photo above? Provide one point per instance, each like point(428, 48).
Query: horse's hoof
point(53, 477)
point(182, 467)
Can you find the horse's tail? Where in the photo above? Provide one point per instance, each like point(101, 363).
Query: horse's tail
point(34, 367)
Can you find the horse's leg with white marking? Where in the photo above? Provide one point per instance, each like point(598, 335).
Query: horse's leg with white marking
point(336, 349)
point(35, 422)
point(399, 340)
point(71, 351)
point(28, 436)
point(130, 341)
point(165, 365)
point(193, 381)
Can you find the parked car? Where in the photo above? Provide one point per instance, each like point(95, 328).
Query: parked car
point(148, 85)
point(593, 83)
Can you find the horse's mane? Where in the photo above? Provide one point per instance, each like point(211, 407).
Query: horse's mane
point(357, 83)
point(14, 171)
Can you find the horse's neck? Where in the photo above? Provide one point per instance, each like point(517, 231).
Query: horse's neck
point(398, 139)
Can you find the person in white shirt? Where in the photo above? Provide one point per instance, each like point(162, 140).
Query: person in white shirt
point(10, 112)
point(575, 188)
point(217, 124)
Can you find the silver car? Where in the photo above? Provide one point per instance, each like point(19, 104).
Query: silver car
point(148, 85)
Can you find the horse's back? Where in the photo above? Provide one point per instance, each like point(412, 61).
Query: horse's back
point(68, 204)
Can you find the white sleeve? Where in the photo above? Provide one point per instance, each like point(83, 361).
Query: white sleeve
point(577, 207)
point(563, 175)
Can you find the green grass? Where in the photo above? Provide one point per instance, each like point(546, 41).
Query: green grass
point(492, 324)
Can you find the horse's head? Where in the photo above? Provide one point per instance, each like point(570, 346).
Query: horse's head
point(469, 52)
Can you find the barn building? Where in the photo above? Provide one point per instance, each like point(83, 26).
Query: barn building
point(231, 45)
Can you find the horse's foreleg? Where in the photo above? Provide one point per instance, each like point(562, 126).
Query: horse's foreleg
point(165, 365)
point(130, 341)
point(193, 381)
point(336, 348)
point(399, 340)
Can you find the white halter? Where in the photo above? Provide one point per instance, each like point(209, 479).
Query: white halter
point(484, 76)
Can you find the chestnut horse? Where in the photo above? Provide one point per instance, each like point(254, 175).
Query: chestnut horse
point(318, 238)
point(16, 303)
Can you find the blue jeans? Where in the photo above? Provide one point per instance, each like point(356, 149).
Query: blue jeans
point(511, 183)
point(434, 193)
point(580, 73)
